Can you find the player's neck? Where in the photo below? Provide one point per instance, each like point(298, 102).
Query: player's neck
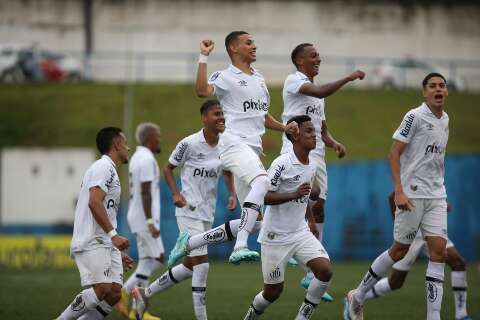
point(436, 110)
point(310, 77)
point(301, 153)
point(210, 136)
point(244, 66)
point(114, 158)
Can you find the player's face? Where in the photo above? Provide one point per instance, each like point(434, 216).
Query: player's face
point(435, 92)
point(155, 142)
point(310, 61)
point(122, 148)
point(246, 48)
point(214, 119)
point(307, 137)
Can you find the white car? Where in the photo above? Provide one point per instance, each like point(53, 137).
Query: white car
point(409, 73)
point(9, 71)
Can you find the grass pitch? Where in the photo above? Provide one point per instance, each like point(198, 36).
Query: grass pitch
point(43, 294)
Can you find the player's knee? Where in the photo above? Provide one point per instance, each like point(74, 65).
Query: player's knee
point(457, 263)
point(397, 251)
point(102, 290)
point(272, 293)
point(113, 295)
point(396, 282)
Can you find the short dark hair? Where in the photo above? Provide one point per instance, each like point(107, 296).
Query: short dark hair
point(430, 76)
point(105, 138)
point(232, 36)
point(298, 49)
point(207, 105)
point(299, 120)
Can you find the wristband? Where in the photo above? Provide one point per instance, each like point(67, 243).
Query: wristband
point(150, 221)
point(202, 58)
point(112, 233)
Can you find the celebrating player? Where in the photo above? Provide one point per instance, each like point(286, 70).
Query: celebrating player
point(197, 155)
point(302, 96)
point(417, 166)
point(95, 244)
point(285, 233)
point(245, 100)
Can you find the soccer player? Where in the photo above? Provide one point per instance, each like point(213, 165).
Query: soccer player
point(417, 166)
point(401, 268)
point(197, 155)
point(285, 233)
point(302, 96)
point(144, 210)
point(95, 244)
point(244, 97)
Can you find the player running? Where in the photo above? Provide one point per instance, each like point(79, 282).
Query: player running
point(95, 244)
point(244, 97)
point(285, 233)
point(197, 155)
point(417, 166)
point(302, 96)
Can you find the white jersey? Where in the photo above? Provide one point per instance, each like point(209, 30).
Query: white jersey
point(295, 104)
point(143, 168)
point(245, 101)
point(422, 162)
point(87, 233)
point(200, 171)
point(285, 223)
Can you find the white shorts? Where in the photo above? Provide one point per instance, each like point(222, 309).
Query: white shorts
point(148, 246)
point(429, 216)
point(418, 245)
point(321, 176)
point(244, 163)
point(275, 257)
point(101, 265)
point(193, 227)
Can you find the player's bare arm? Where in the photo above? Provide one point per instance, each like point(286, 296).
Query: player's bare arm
point(322, 91)
point(146, 193)
point(274, 124)
point(273, 198)
point(178, 198)
point(232, 198)
point(330, 142)
point(202, 87)
point(311, 222)
point(95, 203)
point(401, 200)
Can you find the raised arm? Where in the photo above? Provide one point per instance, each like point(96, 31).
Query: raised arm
point(273, 197)
point(274, 124)
point(330, 142)
point(325, 90)
point(401, 200)
point(232, 198)
point(202, 87)
point(178, 198)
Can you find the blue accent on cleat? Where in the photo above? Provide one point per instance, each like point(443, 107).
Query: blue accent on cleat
point(327, 297)
point(466, 318)
point(243, 255)
point(346, 316)
point(292, 262)
point(306, 281)
point(180, 250)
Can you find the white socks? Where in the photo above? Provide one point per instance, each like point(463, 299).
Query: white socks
point(199, 290)
point(102, 310)
point(380, 289)
point(459, 286)
point(258, 306)
point(434, 286)
point(378, 268)
point(84, 302)
point(250, 210)
point(168, 279)
point(145, 268)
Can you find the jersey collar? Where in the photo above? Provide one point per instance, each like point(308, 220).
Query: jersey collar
point(109, 160)
point(235, 70)
point(426, 110)
point(294, 160)
point(302, 75)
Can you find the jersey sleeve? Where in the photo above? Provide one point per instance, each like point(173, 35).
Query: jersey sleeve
point(102, 176)
point(180, 154)
point(293, 84)
point(407, 128)
point(218, 83)
point(275, 174)
point(147, 170)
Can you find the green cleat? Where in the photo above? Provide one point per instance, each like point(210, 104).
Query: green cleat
point(180, 250)
point(243, 255)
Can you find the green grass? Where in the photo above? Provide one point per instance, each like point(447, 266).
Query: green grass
point(71, 114)
point(43, 294)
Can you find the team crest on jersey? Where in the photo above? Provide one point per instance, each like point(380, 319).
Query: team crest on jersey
point(243, 83)
point(296, 178)
point(413, 187)
point(271, 235)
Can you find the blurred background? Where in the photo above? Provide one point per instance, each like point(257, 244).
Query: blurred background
point(70, 67)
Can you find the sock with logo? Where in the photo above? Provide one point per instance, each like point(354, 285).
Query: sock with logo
point(434, 286)
point(199, 290)
point(84, 302)
point(102, 310)
point(168, 279)
point(222, 233)
point(258, 306)
point(139, 278)
point(380, 289)
point(459, 286)
point(315, 291)
point(251, 208)
point(378, 268)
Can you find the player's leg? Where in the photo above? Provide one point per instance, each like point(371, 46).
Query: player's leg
point(263, 299)
point(459, 280)
point(434, 228)
point(318, 207)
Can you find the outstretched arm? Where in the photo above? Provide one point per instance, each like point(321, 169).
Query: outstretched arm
point(202, 87)
point(274, 124)
point(325, 90)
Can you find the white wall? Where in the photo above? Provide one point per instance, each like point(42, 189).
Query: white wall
point(40, 186)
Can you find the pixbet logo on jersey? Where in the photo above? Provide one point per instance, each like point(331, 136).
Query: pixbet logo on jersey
point(433, 148)
point(254, 105)
point(312, 110)
point(204, 173)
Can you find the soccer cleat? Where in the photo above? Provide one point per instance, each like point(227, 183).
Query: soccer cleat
point(180, 250)
point(122, 304)
point(148, 316)
point(243, 255)
point(352, 309)
point(292, 262)
point(465, 318)
point(327, 297)
point(131, 315)
point(140, 302)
